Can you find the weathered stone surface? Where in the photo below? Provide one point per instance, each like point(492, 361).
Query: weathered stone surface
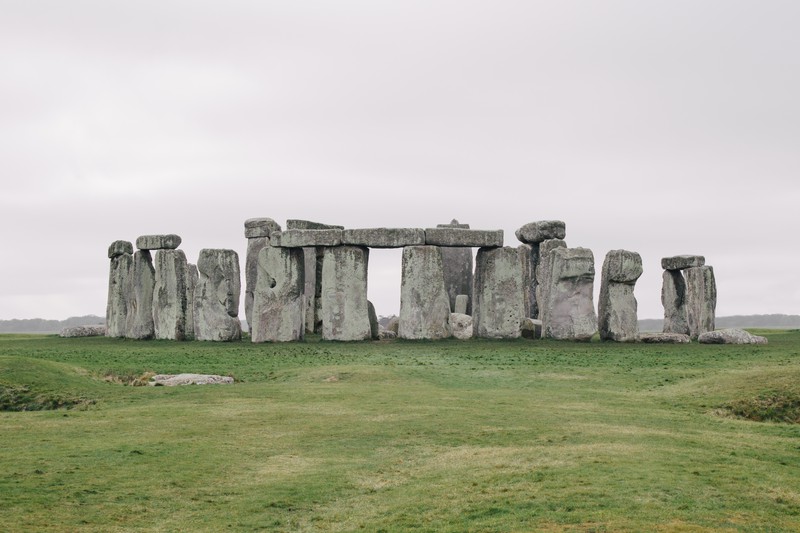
point(383, 237)
point(568, 313)
point(374, 327)
point(461, 326)
point(317, 324)
point(119, 295)
point(254, 246)
point(617, 309)
point(498, 306)
point(664, 338)
point(385, 334)
point(310, 287)
point(453, 224)
point(457, 267)
point(701, 299)
point(536, 232)
point(279, 304)
point(83, 331)
point(464, 237)
point(673, 298)
point(143, 284)
point(679, 262)
point(307, 224)
point(730, 336)
point(260, 227)
point(462, 304)
point(301, 238)
point(393, 325)
point(192, 279)
point(216, 297)
point(424, 305)
point(118, 248)
point(528, 275)
point(169, 295)
point(158, 242)
point(542, 262)
point(531, 328)
point(344, 312)
point(172, 380)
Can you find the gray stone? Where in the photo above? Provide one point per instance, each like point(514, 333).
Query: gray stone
point(393, 325)
point(279, 304)
point(617, 309)
point(664, 338)
point(143, 284)
point(173, 380)
point(83, 331)
point(457, 267)
point(169, 295)
point(701, 299)
point(254, 246)
point(301, 238)
point(536, 232)
point(374, 327)
point(260, 228)
point(424, 305)
point(531, 328)
point(568, 312)
point(461, 326)
point(158, 242)
point(344, 312)
point(540, 257)
point(730, 336)
point(383, 237)
point(385, 335)
point(192, 279)
point(453, 224)
point(498, 307)
point(462, 304)
point(310, 287)
point(317, 324)
point(673, 298)
point(528, 276)
point(216, 297)
point(680, 262)
point(120, 278)
point(119, 248)
point(464, 237)
point(307, 224)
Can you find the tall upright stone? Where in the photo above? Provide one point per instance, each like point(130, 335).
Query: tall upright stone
point(310, 287)
point(527, 264)
point(140, 313)
point(673, 298)
point(457, 267)
point(542, 262)
point(257, 231)
point(192, 279)
point(424, 304)
point(499, 304)
point(169, 295)
point(701, 301)
point(119, 288)
point(534, 234)
point(344, 312)
point(617, 309)
point(568, 310)
point(216, 297)
point(279, 304)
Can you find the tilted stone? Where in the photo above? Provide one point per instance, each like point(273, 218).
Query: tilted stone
point(474, 238)
point(424, 305)
point(143, 284)
point(260, 227)
point(279, 305)
point(158, 242)
point(617, 309)
point(216, 296)
point(536, 232)
point(462, 301)
point(673, 298)
point(461, 325)
point(542, 262)
point(730, 336)
point(383, 237)
point(254, 246)
point(192, 279)
point(300, 238)
point(374, 326)
point(307, 224)
point(679, 262)
point(118, 248)
point(120, 278)
point(701, 299)
point(344, 312)
point(169, 295)
point(664, 338)
point(498, 306)
point(569, 310)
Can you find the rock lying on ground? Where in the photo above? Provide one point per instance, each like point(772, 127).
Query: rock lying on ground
point(730, 336)
point(171, 380)
point(83, 331)
point(664, 338)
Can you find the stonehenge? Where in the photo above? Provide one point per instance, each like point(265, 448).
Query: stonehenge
point(616, 309)
point(567, 309)
point(216, 296)
point(424, 304)
point(457, 265)
point(689, 295)
point(279, 312)
point(499, 305)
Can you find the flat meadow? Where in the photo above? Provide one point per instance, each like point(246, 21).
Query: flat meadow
point(400, 436)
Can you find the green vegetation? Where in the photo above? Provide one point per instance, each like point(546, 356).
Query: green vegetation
point(400, 436)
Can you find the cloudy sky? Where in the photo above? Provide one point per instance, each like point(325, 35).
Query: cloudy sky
point(660, 127)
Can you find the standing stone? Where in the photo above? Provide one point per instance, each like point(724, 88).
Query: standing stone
point(374, 326)
point(457, 265)
point(528, 276)
point(192, 278)
point(701, 299)
point(569, 310)
point(169, 295)
point(318, 291)
point(279, 305)
point(344, 312)
point(119, 288)
point(673, 298)
point(257, 231)
point(617, 308)
point(424, 305)
point(140, 313)
point(216, 297)
point(310, 290)
point(462, 304)
point(499, 304)
point(542, 266)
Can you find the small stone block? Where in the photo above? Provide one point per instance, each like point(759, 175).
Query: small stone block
point(623, 266)
point(384, 237)
point(475, 238)
point(307, 224)
point(664, 338)
point(680, 262)
point(158, 242)
point(119, 248)
point(300, 238)
point(535, 232)
point(260, 227)
point(461, 304)
point(453, 224)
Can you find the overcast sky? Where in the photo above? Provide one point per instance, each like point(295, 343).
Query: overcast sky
point(659, 127)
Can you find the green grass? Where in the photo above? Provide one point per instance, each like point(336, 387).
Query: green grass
point(401, 436)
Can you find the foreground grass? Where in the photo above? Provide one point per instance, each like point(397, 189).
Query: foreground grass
point(399, 436)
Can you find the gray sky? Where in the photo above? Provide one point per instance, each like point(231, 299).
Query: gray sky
point(659, 127)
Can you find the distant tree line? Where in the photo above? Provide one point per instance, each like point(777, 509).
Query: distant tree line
point(736, 321)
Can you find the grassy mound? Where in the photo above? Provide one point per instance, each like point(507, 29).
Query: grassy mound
point(36, 385)
point(768, 406)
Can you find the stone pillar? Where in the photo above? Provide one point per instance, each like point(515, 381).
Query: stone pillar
point(675, 295)
point(192, 279)
point(257, 231)
point(169, 295)
point(498, 307)
point(279, 304)
point(344, 312)
point(457, 268)
point(568, 310)
point(119, 288)
point(140, 318)
point(533, 234)
point(617, 309)
point(216, 297)
point(424, 303)
point(544, 262)
point(701, 301)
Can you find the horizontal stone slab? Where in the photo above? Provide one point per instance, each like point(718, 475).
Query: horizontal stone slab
point(384, 237)
point(158, 242)
point(301, 238)
point(307, 224)
point(730, 336)
point(474, 238)
point(535, 232)
point(119, 248)
point(664, 338)
point(260, 227)
point(680, 262)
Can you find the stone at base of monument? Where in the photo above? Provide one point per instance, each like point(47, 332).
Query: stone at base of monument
point(384, 237)
point(374, 327)
point(216, 296)
point(730, 336)
point(386, 335)
point(173, 380)
point(83, 331)
point(393, 325)
point(664, 338)
point(461, 326)
point(462, 300)
point(531, 328)
point(344, 312)
point(279, 304)
point(424, 305)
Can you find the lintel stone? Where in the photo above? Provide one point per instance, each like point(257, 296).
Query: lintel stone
point(474, 238)
point(681, 262)
point(384, 237)
point(307, 224)
point(536, 232)
point(260, 227)
point(119, 248)
point(158, 242)
point(301, 238)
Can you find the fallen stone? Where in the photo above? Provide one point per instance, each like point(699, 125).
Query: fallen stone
point(344, 312)
point(307, 224)
point(172, 380)
point(498, 306)
point(385, 334)
point(216, 297)
point(617, 308)
point(143, 284)
point(393, 325)
point(664, 338)
point(569, 311)
point(169, 295)
point(673, 299)
point(679, 262)
point(374, 327)
point(119, 248)
point(464, 237)
point(701, 299)
point(158, 242)
point(300, 238)
point(730, 336)
point(260, 227)
point(383, 237)
point(83, 331)
point(192, 279)
point(254, 246)
point(461, 326)
point(424, 305)
point(536, 232)
point(119, 294)
point(278, 307)
point(531, 328)
point(461, 307)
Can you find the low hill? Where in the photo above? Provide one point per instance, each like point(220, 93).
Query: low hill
point(736, 321)
point(40, 325)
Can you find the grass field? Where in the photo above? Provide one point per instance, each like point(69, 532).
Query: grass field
point(400, 436)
